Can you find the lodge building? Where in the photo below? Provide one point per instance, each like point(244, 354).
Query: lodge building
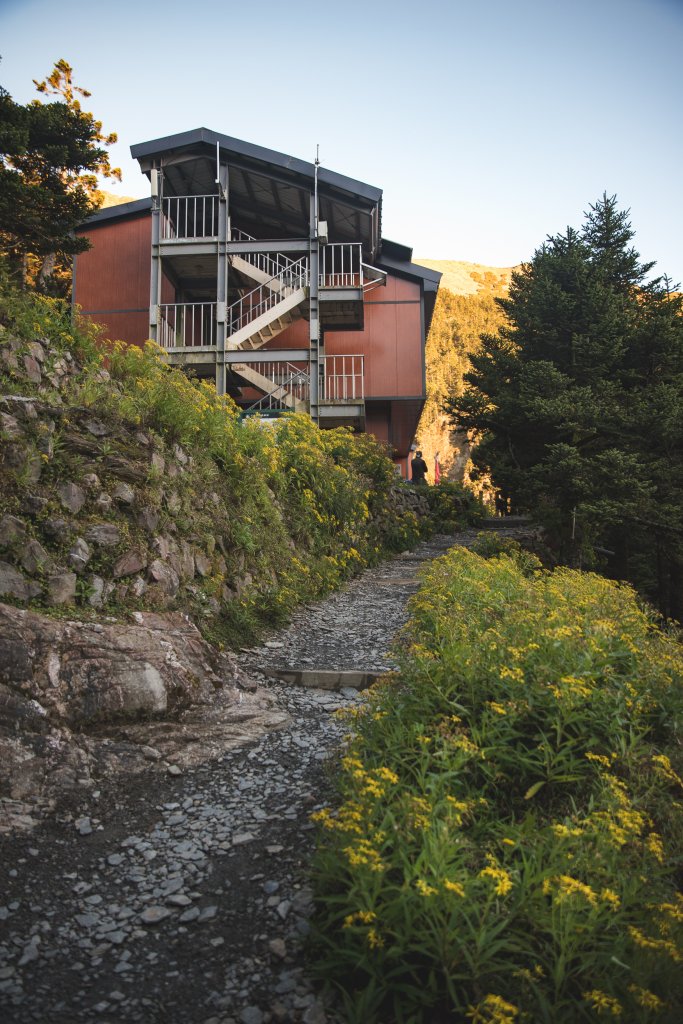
point(268, 274)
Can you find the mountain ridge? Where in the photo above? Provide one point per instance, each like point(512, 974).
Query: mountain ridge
point(465, 278)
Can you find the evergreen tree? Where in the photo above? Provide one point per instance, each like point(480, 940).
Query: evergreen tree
point(50, 156)
point(579, 403)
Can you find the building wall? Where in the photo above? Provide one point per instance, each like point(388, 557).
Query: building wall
point(391, 340)
point(112, 278)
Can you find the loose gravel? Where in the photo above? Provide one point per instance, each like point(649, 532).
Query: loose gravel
point(184, 898)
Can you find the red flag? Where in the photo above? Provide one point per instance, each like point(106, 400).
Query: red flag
point(437, 469)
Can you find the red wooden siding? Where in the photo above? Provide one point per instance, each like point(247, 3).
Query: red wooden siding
point(112, 278)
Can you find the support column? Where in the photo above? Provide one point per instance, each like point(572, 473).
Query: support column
point(156, 182)
point(314, 363)
point(222, 279)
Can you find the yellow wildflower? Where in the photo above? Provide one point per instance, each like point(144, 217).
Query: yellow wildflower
point(501, 877)
point(602, 1003)
point(424, 889)
point(493, 1009)
point(609, 896)
point(648, 1000)
point(453, 887)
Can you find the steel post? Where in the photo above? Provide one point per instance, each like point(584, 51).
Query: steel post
point(222, 278)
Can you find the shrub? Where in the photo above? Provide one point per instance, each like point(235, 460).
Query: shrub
point(507, 840)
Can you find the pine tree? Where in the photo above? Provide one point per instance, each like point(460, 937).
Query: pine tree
point(579, 402)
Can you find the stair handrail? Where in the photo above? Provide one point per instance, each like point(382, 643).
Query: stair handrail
point(266, 262)
point(245, 310)
point(297, 376)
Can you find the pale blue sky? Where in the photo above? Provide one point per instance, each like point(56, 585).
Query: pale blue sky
point(489, 125)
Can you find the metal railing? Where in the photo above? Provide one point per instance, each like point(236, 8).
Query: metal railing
point(187, 325)
point(344, 378)
point(268, 263)
point(189, 217)
point(263, 298)
point(341, 265)
point(287, 379)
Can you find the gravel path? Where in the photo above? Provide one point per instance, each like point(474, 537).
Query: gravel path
point(184, 899)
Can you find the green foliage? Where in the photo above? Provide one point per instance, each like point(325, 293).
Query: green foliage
point(454, 506)
point(282, 514)
point(50, 156)
point(457, 325)
point(578, 400)
point(510, 825)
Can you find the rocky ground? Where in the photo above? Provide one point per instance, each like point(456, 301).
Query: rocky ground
point(179, 893)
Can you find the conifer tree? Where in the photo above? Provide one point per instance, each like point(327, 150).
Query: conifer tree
point(579, 403)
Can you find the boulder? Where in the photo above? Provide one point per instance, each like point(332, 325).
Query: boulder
point(14, 584)
point(79, 555)
point(104, 535)
point(61, 588)
point(129, 563)
point(163, 575)
point(35, 559)
point(124, 494)
point(83, 673)
point(12, 530)
point(32, 368)
point(71, 496)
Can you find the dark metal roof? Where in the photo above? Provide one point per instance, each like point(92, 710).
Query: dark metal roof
point(269, 191)
point(120, 210)
point(290, 164)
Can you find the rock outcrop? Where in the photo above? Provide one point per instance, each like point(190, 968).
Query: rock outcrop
point(61, 680)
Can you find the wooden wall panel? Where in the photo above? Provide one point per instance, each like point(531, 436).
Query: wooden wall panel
point(132, 328)
point(112, 278)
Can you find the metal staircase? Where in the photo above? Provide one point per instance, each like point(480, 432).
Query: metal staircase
point(266, 310)
point(285, 387)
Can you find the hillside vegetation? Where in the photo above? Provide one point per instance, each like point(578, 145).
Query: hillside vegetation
point(458, 322)
point(508, 837)
point(125, 485)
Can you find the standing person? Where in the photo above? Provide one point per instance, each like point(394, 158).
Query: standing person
point(437, 469)
point(418, 469)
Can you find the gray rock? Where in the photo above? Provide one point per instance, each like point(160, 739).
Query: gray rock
point(202, 563)
point(13, 584)
point(104, 502)
point(164, 576)
point(189, 915)
point(154, 915)
point(128, 564)
point(32, 368)
point(124, 494)
point(61, 588)
point(12, 530)
point(35, 559)
point(92, 481)
point(179, 899)
point(71, 496)
point(9, 426)
point(96, 428)
point(57, 529)
point(104, 535)
point(79, 555)
point(96, 586)
point(148, 519)
point(251, 1015)
point(36, 350)
point(278, 948)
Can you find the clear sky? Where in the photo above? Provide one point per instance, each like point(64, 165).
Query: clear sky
point(488, 124)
